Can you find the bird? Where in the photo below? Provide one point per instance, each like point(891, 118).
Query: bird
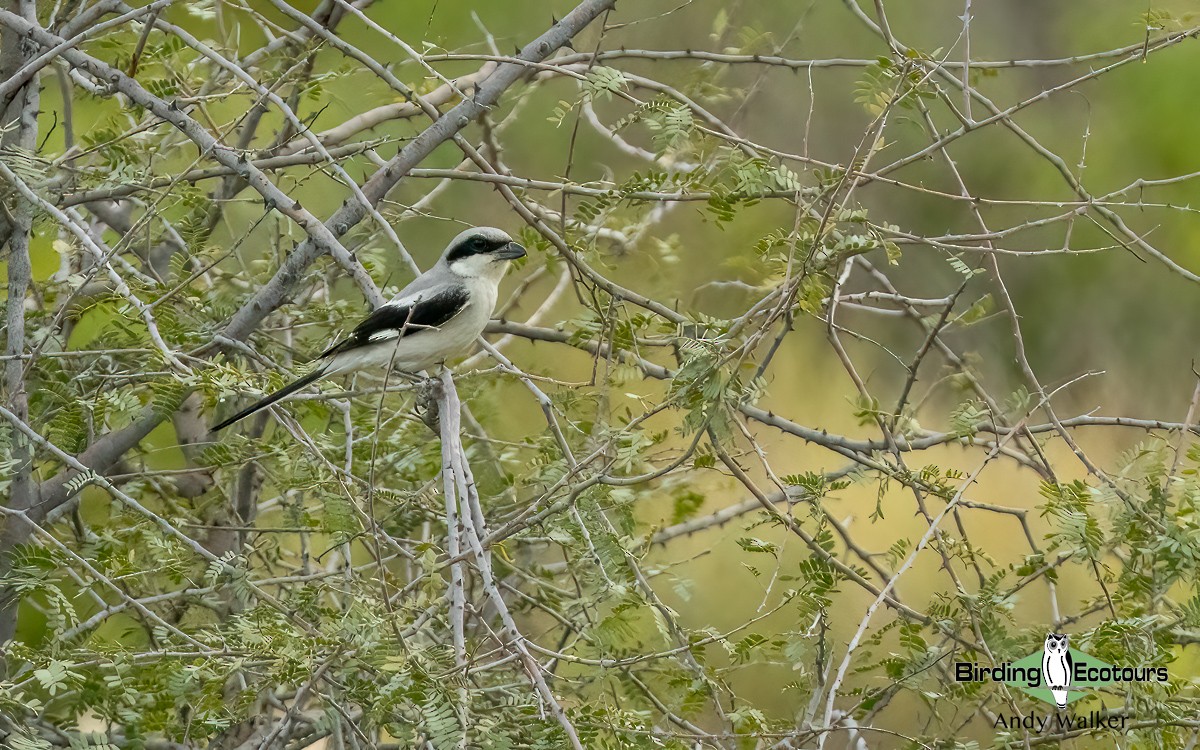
point(1057, 667)
point(440, 313)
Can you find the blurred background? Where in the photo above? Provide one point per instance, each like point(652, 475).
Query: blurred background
point(1090, 301)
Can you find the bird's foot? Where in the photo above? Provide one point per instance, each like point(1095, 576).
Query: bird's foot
point(429, 394)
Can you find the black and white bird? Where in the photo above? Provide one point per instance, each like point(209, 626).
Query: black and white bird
point(435, 317)
point(1057, 667)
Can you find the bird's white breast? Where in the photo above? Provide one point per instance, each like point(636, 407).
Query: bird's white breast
point(1055, 666)
point(422, 350)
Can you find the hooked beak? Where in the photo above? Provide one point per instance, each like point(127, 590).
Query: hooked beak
point(511, 251)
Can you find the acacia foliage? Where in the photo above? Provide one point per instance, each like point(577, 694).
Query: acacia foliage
point(318, 575)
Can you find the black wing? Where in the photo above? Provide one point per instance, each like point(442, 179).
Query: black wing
point(403, 318)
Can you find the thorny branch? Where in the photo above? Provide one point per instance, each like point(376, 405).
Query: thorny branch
point(555, 591)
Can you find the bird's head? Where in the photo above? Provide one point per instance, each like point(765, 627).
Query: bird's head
point(482, 252)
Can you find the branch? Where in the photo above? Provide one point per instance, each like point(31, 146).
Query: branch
point(20, 277)
point(107, 450)
point(395, 111)
point(319, 234)
point(470, 515)
point(274, 292)
point(27, 72)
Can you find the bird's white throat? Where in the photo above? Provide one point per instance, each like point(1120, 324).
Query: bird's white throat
point(480, 266)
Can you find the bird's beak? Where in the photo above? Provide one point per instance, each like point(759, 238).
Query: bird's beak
point(511, 251)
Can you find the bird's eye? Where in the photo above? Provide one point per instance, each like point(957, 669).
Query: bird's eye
point(478, 243)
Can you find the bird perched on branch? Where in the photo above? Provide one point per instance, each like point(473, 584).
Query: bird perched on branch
point(436, 316)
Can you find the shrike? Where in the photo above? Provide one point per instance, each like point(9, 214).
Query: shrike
point(436, 316)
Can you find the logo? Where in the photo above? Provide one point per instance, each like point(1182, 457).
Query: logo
point(1056, 668)
point(1058, 675)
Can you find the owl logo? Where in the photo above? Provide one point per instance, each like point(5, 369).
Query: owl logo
point(1057, 667)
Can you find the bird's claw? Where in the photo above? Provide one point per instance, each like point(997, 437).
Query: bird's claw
point(429, 392)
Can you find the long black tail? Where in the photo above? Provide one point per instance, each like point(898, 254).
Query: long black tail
point(287, 390)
